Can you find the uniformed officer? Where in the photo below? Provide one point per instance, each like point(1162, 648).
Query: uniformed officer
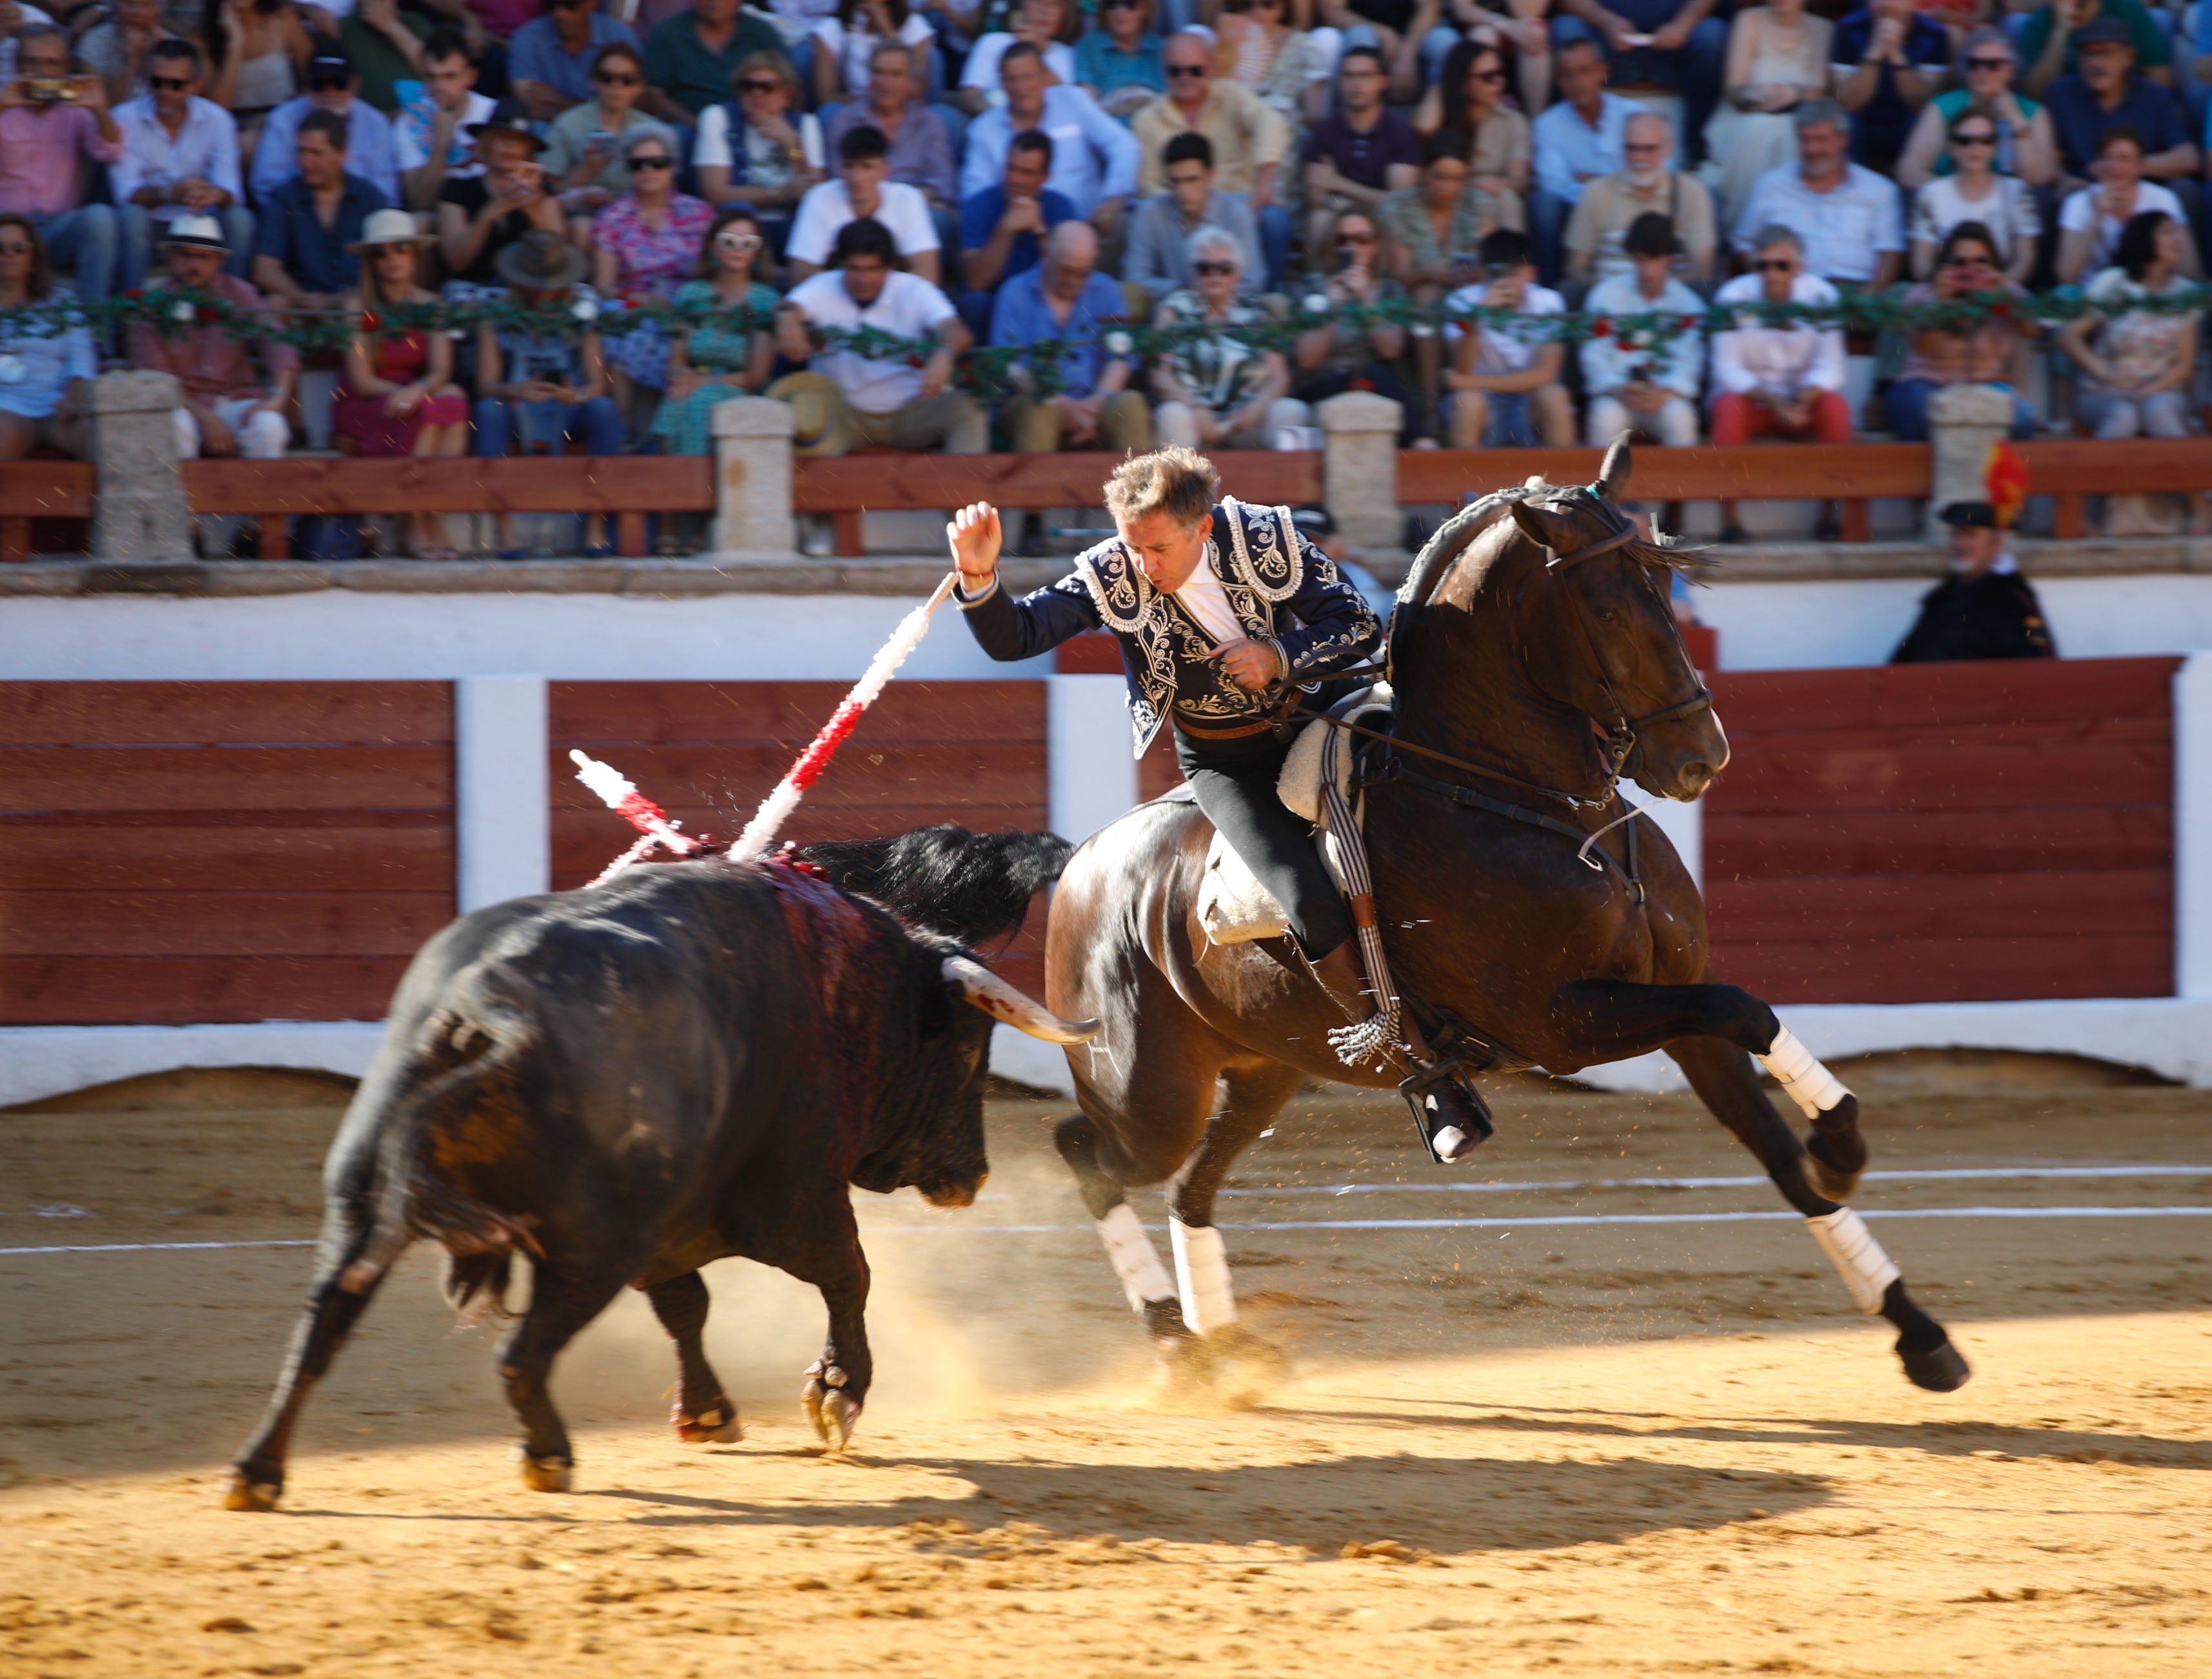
point(1984, 609)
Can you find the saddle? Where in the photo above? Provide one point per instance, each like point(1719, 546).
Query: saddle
point(1233, 907)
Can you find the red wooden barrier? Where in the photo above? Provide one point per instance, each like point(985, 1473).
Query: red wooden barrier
point(207, 852)
point(1939, 833)
point(40, 489)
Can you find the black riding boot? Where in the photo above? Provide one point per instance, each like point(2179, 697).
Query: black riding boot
point(1447, 1110)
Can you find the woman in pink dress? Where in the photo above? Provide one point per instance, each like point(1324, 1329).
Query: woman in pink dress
point(396, 396)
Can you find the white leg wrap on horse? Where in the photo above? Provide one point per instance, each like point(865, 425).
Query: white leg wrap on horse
point(1202, 1269)
point(1852, 1249)
point(1810, 1085)
point(1143, 1277)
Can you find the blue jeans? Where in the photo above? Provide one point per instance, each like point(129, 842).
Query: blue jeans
point(1908, 401)
point(140, 231)
point(1548, 215)
point(597, 424)
point(1275, 243)
point(89, 240)
point(1695, 70)
point(1435, 47)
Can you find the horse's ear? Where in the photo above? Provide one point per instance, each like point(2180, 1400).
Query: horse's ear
point(1533, 523)
point(1613, 477)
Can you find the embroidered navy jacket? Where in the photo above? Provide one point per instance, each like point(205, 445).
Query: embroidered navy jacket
point(1285, 591)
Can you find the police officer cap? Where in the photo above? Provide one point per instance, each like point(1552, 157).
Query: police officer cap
point(1970, 513)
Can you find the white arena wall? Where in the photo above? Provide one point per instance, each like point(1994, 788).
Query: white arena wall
point(348, 634)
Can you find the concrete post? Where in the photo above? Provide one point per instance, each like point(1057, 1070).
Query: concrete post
point(502, 822)
point(1091, 770)
point(138, 512)
point(753, 478)
point(1963, 421)
point(1359, 467)
point(2192, 826)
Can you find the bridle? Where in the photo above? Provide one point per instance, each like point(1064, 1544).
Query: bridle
point(1621, 736)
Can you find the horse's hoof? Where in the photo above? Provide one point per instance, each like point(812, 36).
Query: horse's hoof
point(840, 1412)
point(1186, 1367)
point(245, 1493)
point(1246, 1368)
point(713, 1426)
point(546, 1475)
point(1941, 1369)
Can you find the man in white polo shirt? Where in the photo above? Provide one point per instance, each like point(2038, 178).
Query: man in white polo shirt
point(845, 398)
point(864, 191)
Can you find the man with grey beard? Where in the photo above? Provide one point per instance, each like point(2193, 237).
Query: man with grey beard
point(1646, 184)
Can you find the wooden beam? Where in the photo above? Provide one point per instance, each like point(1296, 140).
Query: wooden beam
point(1750, 472)
point(529, 484)
point(47, 489)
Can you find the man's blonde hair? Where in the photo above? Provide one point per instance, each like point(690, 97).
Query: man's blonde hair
point(1178, 482)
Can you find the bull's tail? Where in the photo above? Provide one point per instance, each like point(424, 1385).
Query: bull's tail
point(471, 1054)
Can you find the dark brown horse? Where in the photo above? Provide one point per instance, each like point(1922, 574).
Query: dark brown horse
point(1537, 649)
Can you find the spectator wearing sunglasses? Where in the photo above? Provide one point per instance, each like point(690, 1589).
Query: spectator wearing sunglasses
point(551, 59)
point(759, 149)
point(1984, 352)
point(1218, 390)
point(1990, 67)
point(1249, 138)
point(371, 152)
point(1974, 191)
point(585, 145)
point(644, 245)
point(1777, 378)
point(713, 362)
point(179, 158)
point(1119, 63)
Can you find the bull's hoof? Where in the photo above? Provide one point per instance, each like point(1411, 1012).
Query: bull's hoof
point(1836, 1161)
point(546, 1475)
point(840, 1411)
point(827, 1407)
point(717, 1425)
point(246, 1494)
point(1941, 1369)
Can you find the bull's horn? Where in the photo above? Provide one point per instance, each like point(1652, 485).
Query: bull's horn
point(1613, 477)
point(995, 997)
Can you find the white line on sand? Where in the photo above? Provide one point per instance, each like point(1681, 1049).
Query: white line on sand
point(1503, 1186)
point(951, 1228)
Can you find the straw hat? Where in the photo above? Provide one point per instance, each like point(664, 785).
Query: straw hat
point(389, 227)
point(195, 232)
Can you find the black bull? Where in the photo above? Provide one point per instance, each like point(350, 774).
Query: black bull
point(627, 1083)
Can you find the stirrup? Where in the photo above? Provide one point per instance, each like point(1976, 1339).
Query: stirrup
point(1449, 1111)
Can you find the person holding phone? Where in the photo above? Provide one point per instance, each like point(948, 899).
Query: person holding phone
point(586, 155)
point(49, 120)
point(482, 216)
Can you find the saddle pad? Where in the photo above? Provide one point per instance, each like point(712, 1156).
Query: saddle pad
point(1233, 907)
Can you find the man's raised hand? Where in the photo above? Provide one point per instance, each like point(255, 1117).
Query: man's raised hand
point(973, 538)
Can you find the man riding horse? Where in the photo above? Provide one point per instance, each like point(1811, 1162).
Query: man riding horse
point(1229, 621)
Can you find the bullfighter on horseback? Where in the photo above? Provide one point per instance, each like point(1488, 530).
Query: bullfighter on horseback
point(1230, 620)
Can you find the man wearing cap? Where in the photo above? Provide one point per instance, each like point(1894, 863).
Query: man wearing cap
point(1984, 609)
point(230, 407)
point(431, 132)
point(300, 258)
point(479, 216)
point(2108, 91)
point(549, 387)
point(2051, 38)
point(371, 152)
point(179, 158)
point(1638, 379)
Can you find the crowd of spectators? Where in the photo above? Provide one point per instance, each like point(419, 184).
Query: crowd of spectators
point(1037, 176)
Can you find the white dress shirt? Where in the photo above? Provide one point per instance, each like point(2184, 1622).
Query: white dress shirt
point(205, 149)
point(1093, 156)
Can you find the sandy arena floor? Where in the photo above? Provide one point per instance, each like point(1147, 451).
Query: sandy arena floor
point(1605, 1447)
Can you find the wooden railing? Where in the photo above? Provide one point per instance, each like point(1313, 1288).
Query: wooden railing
point(2071, 470)
point(40, 489)
point(629, 487)
point(1853, 474)
point(847, 485)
